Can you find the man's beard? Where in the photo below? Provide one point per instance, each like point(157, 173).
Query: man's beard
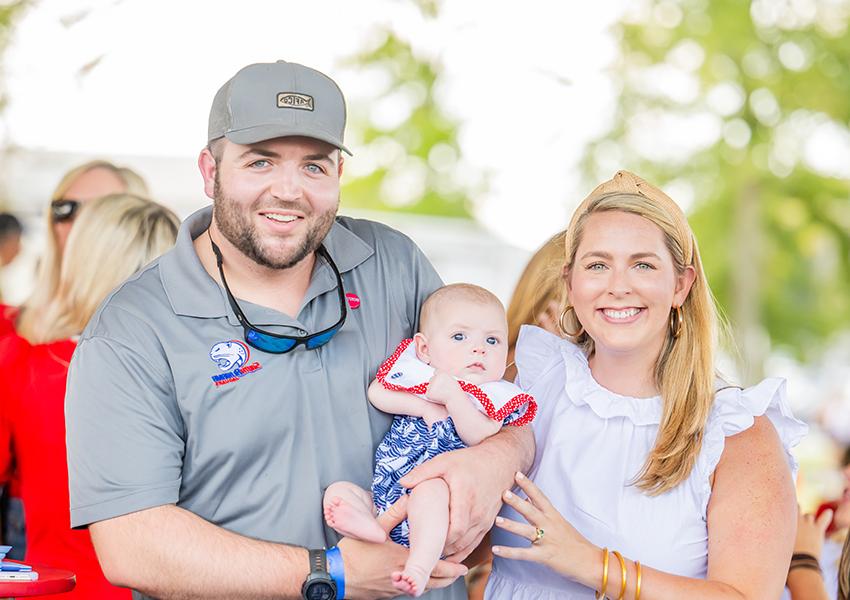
point(235, 225)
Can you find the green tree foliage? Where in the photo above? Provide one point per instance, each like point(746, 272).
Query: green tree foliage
point(415, 158)
point(8, 12)
point(751, 89)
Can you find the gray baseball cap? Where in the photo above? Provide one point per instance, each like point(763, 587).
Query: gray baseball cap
point(269, 100)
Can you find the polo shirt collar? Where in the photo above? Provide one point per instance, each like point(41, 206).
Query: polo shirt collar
point(192, 292)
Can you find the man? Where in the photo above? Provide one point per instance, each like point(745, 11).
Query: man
point(218, 392)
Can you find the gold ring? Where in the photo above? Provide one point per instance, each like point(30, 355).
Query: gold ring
point(538, 535)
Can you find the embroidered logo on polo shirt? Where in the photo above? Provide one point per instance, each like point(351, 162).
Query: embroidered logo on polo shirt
point(232, 357)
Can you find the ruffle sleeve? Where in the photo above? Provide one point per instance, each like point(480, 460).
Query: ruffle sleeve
point(734, 411)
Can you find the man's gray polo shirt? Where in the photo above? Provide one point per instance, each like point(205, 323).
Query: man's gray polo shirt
point(167, 405)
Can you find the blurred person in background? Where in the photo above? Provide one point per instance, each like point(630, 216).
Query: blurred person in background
point(537, 296)
point(113, 238)
point(77, 187)
point(820, 566)
point(10, 240)
point(80, 185)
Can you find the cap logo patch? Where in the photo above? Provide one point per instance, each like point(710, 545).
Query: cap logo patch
point(293, 100)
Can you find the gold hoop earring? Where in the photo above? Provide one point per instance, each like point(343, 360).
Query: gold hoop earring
point(564, 328)
point(677, 321)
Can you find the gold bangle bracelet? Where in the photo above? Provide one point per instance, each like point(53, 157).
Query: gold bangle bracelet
point(604, 574)
point(623, 575)
point(638, 578)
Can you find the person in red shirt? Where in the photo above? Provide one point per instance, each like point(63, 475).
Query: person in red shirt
point(113, 238)
point(79, 186)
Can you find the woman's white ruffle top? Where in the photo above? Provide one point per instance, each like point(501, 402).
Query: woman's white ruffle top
point(591, 443)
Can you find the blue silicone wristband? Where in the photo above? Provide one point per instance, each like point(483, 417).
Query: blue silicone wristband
point(336, 570)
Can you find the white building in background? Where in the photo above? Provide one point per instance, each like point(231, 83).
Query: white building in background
point(460, 249)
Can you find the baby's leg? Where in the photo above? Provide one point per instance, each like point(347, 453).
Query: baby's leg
point(428, 518)
point(349, 510)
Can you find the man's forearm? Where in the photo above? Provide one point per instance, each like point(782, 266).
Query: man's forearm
point(170, 553)
point(515, 446)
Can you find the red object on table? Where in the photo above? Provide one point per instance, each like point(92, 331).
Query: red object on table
point(50, 581)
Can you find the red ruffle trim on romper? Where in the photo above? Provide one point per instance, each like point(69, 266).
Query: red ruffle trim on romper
point(470, 388)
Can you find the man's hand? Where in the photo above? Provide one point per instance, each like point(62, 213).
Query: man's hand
point(368, 566)
point(476, 477)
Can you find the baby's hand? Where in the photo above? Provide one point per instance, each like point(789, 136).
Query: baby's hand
point(441, 387)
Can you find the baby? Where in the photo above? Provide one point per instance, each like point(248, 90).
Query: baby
point(445, 387)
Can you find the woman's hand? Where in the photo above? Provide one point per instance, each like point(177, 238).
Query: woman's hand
point(811, 532)
point(554, 542)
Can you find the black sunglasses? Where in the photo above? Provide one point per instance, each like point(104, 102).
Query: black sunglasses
point(64, 210)
point(275, 343)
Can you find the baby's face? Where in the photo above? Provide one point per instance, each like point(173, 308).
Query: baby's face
point(468, 340)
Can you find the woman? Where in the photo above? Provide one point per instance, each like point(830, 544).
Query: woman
point(537, 295)
point(654, 479)
point(80, 185)
point(113, 238)
point(77, 187)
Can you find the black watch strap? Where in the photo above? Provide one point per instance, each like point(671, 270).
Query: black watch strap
point(319, 584)
point(318, 561)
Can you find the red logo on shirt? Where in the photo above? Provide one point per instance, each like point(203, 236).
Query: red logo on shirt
point(353, 300)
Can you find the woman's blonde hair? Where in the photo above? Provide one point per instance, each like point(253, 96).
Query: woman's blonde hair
point(113, 238)
point(47, 279)
point(684, 370)
point(540, 283)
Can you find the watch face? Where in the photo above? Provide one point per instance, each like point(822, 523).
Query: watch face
point(319, 590)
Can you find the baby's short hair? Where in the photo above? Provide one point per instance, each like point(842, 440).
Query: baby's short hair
point(457, 291)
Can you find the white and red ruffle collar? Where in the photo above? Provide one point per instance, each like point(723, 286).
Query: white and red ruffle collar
point(404, 372)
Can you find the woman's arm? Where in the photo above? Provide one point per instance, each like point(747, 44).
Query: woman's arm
point(751, 523)
point(403, 403)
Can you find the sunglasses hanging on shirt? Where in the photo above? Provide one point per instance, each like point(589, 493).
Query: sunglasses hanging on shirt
point(276, 343)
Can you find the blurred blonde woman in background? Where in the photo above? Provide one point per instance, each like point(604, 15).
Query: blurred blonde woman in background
point(80, 185)
point(112, 238)
point(537, 296)
point(77, 187)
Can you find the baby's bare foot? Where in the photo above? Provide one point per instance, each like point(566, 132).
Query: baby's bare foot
point(411, 581)
point(353, 522)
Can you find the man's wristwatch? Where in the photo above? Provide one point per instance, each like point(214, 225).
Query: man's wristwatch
point(319, 584)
